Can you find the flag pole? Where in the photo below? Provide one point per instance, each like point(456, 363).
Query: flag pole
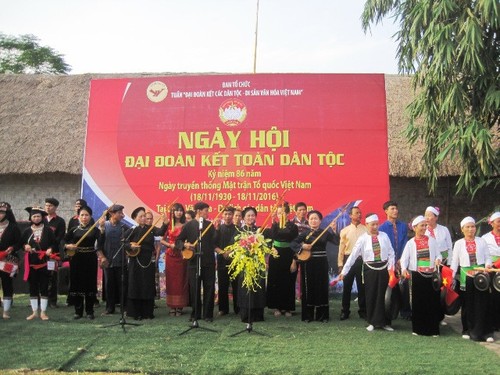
point(255, 45)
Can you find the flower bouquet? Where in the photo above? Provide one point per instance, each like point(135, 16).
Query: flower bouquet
point(248, 255)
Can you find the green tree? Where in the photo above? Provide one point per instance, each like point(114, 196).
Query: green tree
point(24, 55)
point(452, 48)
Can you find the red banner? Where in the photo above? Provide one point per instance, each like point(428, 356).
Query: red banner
point(248, 138)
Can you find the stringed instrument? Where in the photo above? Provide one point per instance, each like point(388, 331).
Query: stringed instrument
point(72, 252)
point(272, 210)
point(304, 255)
point(135, 247)
point(188, 252)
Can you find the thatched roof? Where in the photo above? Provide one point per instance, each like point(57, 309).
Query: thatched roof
point(46, 116)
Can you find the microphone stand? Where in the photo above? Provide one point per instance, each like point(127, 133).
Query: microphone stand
point(197, 254)
point(122, 322)
point(249, 326)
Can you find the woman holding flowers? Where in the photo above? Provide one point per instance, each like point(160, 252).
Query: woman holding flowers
point(249, 266)
point(314, 281)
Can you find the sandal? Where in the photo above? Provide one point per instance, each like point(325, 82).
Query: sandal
point(277, 313)
point(172, 313)
point(178, 312)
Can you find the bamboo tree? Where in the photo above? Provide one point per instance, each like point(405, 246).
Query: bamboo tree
point(452, 48)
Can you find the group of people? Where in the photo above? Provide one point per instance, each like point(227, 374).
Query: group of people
point(372, 253)
point(196, 257)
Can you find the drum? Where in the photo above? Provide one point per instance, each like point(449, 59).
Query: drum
point(482, 281)
point(437, 281)
point(450, 301)
point(496, 282)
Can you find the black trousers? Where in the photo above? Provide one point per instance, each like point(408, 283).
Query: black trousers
point(79, 301)
point(224, 283)
point(355, 273)
point(113, 285)
point(7, 285)
point(39, 282)
point(52, 288)
point(207, 280)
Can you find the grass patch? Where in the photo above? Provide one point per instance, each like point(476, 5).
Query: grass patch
point(155, 347)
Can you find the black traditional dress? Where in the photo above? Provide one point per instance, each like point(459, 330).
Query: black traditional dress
point(378, 257)
point(9, 240)
point(280, 281)
point(83, 269)
point(493, 242)
point(419, 257)
point(251, 302)
point(477, 319)
point(35, 263)
point(141, 273)
point(224, 237)
point(314, 280)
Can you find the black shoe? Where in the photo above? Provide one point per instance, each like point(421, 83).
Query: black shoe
point(77, 316)
point(90, 316)
point(209, 320)
point(344, 316)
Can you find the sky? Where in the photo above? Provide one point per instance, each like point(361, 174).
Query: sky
point(205, 36)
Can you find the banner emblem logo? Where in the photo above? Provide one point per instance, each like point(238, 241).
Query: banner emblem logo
point(232, 112)
point(157, 91)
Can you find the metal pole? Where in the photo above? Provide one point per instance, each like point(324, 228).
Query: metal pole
point(256, 34)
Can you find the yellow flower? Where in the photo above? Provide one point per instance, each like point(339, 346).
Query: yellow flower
point(249, 256)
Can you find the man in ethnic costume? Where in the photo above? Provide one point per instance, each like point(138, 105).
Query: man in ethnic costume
point(58, 226)
point(205, 275)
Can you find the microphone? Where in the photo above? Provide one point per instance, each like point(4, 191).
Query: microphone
point(201, 223)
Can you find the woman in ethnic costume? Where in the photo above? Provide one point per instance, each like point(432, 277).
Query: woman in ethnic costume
point(251, 303)
point(83, 264)
point(141, 268)
point(420, 258)
point(282, 272)
point(314, 282)
point(378, 258)
point(468, 253)
point(176, 277)
point(439, 232)
point(493, 240)
point(39, 244)
point(9, 245)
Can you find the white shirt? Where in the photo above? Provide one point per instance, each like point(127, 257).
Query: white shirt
point(461, 257)
point(409, 257)
point(364, 248)
point(493, 248)
point(443, 239)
